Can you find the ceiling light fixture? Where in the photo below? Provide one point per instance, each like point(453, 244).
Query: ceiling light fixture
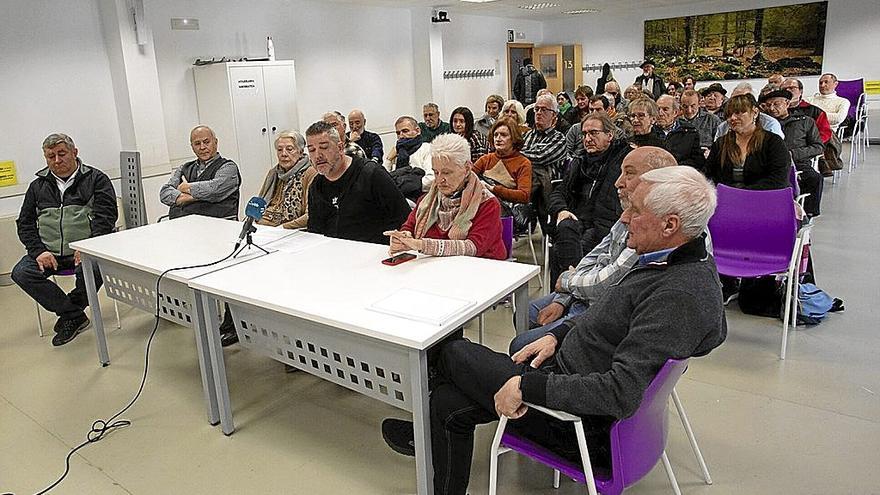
point(539, 6)
point(580, 11)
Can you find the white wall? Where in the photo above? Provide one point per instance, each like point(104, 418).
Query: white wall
point(851, 36)
point(55, 78)
point(346, 56)
point(478, 42)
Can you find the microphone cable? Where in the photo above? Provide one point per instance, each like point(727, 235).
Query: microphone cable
point(101, 427)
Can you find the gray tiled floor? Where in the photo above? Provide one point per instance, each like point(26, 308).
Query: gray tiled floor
point(808, 425)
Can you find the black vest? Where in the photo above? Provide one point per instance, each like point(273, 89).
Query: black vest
point(225, 208)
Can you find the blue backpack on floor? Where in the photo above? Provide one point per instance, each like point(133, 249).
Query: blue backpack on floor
point(814, 304)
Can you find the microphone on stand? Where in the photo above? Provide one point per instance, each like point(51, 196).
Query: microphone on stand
point(254, 211)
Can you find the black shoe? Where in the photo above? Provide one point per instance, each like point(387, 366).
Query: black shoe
point(398, 434)
point(729, 290)
point(68, 329)
point(228, 338)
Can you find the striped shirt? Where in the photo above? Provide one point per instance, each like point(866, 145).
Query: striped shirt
point(546, 150)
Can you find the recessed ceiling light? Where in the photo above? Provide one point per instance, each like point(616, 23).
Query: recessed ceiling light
point(539, 6)
point(580, 11)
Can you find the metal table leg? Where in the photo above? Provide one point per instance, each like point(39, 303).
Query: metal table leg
point(97, 320)
point(208, 386)
point(421, 422)
point(521, 315)
point(215, 353)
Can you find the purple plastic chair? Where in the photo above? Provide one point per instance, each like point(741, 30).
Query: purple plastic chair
point(637, 442)
point(750, 241)
point(852, 91)
point(507, 234)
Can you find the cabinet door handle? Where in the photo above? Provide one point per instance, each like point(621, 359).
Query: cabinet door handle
point(264, 130)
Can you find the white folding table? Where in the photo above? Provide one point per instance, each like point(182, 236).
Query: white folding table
point(315, 310)
point(130, 261)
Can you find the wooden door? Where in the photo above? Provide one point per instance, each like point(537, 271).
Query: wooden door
point(548, 60)
point(516, 52)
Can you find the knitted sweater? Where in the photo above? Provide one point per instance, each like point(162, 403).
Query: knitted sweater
point(608, 356)
point(519, 168)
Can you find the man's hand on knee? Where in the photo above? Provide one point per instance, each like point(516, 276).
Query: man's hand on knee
point(47, 260)
point(550, 313)
point(538, 351)
point(565, 214)
point(508, 400)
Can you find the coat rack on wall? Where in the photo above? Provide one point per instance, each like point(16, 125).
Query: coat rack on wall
point(635, 64)
point(468, 73)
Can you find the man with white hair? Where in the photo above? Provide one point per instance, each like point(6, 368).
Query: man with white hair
point(679, 137)
point(350, 148)
point(598, 365)
point(350, 198)
point(544, 146)
point(358, 134)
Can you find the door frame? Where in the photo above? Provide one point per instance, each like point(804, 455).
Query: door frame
point(530, 47)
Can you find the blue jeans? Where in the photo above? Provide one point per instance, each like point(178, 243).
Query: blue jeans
point(536, 331)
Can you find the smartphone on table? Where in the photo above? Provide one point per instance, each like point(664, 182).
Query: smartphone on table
point(398, 259)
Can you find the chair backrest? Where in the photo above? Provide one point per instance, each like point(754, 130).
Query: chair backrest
point(638, 442)
point(792, 180)
point(753, 225)
point(851, 90)
point(507, 234)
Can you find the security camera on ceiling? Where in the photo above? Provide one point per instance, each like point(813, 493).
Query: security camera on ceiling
point(440, 16)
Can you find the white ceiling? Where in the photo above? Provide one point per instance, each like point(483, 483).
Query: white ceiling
point(510, 8)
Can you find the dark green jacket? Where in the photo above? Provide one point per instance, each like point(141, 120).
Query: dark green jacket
point(48, 222)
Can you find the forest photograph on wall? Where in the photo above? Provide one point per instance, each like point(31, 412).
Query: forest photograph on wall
point(745, 44)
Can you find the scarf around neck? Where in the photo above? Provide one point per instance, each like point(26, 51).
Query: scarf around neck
point(279, 174)
point(405, 148)
point(471, 196)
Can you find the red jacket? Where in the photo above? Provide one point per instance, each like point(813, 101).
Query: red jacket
point(485, 230)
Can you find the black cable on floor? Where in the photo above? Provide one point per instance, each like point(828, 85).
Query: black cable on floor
point(102, 427)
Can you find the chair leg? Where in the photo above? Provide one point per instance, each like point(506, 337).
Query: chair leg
point(585, 457)
point(118, 321)
point(481, 326)
point(39, 319)
point(493, 455)
point(534, 254)
point(556, 479)
point(670, 474)
point(546, 275)
point(691, 438)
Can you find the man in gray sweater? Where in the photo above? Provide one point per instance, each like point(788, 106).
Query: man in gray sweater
point(599, 365)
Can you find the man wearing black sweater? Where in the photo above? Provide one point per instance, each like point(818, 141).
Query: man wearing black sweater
point(350, 198)
point(598, 365)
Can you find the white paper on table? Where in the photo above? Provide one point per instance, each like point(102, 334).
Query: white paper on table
point(265, 234)
point(421, 306)
point(298, 241)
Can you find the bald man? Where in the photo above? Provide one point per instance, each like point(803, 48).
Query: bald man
point(369, 141)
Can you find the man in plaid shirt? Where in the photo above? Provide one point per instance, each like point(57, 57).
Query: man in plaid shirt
point(602, 267)
point(544, 146)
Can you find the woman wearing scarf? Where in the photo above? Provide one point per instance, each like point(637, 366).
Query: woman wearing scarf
point(458, 216)
point(564, 102)
point(286, 187)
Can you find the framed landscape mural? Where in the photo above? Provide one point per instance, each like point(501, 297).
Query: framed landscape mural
point(745, 44)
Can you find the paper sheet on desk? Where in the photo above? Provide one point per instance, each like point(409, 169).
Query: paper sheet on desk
point(298, 241)
point(265, 234)
point(420, 306)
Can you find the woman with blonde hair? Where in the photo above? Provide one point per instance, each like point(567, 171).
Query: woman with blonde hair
point(514, 110)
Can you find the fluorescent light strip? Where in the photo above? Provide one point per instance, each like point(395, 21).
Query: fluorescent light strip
point(580, 11)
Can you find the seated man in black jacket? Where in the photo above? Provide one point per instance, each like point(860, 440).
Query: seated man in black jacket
point(585, 205)
point(803, 142)
point(680, 138)
point(369, 141)
point(350, 198)
point(599, 364)
point(67, 202)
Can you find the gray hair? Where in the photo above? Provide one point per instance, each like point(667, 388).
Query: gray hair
point(741, 89)
point(406, 118)
point(297, 138)
point(676, 105)
point(550, 100)
point(451, 147)
point(56, 138)
point(520, 111)
point(645, 104)
point(682, 191)
point(321, 127)
point(333, 115)
point(431, 105)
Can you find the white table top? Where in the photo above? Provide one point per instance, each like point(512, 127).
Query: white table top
point(336, 282)
point(185, 241)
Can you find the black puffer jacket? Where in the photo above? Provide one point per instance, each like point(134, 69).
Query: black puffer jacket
point(588, 191)
point(684, 144)
point(802, 139)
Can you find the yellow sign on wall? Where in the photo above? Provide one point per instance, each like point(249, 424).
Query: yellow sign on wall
point(872, 87)
point(7, 174)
